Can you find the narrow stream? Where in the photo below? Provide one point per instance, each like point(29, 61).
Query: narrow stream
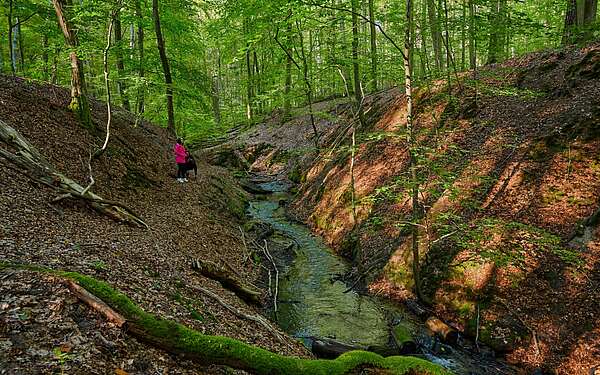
point(310, 303)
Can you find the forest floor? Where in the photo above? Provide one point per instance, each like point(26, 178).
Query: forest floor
point(43, 328)
point(511, 173)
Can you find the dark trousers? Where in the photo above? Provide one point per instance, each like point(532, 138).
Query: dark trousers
point(180, 170)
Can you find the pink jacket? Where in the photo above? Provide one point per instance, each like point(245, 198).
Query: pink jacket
point(180, 153)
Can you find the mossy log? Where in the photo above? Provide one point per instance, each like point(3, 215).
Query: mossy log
point(178, 339)
point(442, 330)
point(213, 271)
point(403, 339)
point(190, 344)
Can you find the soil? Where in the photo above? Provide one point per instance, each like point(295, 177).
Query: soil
point(199, 219)
point(511, 169)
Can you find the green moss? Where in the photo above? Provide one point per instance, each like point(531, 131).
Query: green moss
point(234, 353)
point(402, 334)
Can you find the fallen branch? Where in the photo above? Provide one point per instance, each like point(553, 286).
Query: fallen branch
point(29, 162)
point(257, 319)
point(96, 304)
point(213, 271)
point(270, 258)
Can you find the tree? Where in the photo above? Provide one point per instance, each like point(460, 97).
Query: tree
point(79, 101)
point(165, 65)
point(120, 65)
point(411, 138)
point(373, 39)
point(358, 96)
point(580, 16)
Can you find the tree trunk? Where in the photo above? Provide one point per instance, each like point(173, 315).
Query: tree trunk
point(436, 35)
point(497, 19)
point(249, 87)
point(288, 77)
point(45, 57)
point(21, 49)
point(140, 45)
point(373, 34)
point(472, 50)
point(216, 90)
point(463, 36)
point(165, 65)
point(121, 86)
point(11, 43)
point(570, 22)
point(412, 149)
point(79, 101)
point(589, 18)
point(355, 65)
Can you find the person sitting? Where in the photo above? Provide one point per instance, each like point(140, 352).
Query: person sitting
point(180, 158)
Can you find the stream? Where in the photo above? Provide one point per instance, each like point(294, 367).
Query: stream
point(312, 304)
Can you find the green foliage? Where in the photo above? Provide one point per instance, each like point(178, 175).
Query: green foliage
point(209, 45)
point(511, 241)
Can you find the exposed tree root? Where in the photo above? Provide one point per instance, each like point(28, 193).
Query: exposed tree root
point(28, 161)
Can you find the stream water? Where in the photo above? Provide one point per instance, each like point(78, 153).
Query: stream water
point(310, 303)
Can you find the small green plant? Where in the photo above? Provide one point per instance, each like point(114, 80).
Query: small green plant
point(99, 265)
point(62, 357)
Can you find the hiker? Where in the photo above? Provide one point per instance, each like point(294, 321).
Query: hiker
point(180, 158)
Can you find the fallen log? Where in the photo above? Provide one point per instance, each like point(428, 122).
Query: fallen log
point(442, 330)
point(403, 339)
point(213, 271)
point(330, 348)
point(187, 343)
point(27, 160)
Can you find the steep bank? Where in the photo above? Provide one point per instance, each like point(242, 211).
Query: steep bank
point(510, 175)
point(44, 328)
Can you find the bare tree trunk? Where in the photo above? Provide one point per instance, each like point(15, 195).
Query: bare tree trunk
point(140, 44)
point(216, 90)
point(11, 43)
point(412, 149)
point(121, 86)
point(355, 66)
point(249, 87)
point(165, 65)
point(45, 56)
point(436, 35)
point(288, 77)
point(79, 101)
point(112, 21)
point(373, 34)
point(570, 22)
point(472, 51)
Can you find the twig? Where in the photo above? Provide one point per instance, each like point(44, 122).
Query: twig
point(270, 258)
point(257, 319)
point(477, 332)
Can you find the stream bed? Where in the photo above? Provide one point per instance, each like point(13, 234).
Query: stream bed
point(312, 304)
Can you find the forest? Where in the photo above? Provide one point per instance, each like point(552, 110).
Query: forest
point(369, 186)
point(224, 63)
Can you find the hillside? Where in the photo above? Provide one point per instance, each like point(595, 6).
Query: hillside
point(510, 248)
point(43, 327)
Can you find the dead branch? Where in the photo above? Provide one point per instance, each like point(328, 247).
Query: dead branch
point(213, 271)
point(270, 258)
point(257, 319)
point(32, 164)
point(96, 304)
